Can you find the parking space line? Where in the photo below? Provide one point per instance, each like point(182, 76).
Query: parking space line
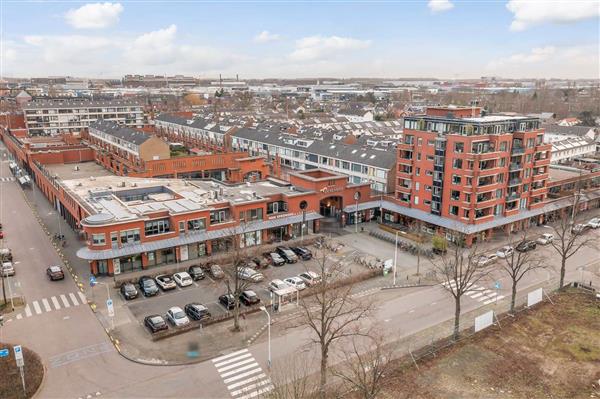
point(217, 359)
point(228, 361)
point(63, 298)
point(73, 299)
point(247, 367)
point(27, 311)
point(37, 308)
point(234, 365)
point(55, 303)
point(46, 305)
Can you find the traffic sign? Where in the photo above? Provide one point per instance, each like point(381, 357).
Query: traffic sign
point(110, 307)
point(4, 352)
point(19, 355)
point(93, 281)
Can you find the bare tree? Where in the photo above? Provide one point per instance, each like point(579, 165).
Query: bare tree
point(568, 239)
point(517, 265)
point(331, 313)
point(458, 271)
point(365, 362)
point(292, 379)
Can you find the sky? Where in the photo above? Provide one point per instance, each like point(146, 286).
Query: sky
point(445, 39)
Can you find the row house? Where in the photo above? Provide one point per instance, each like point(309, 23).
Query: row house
point(193, 133)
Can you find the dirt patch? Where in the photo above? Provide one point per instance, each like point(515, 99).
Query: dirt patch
point(10, 382)
point(552, 351)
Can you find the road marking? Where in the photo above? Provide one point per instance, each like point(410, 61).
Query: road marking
point(218, 359)
point(217, 365)
point(433, 303)
point(63, 298)
point(411, 311)
point(196, 284)
point(73, 299)
point(19, 316)
point(250, 387)
point(246, 381)
point(55, 302)
point(46, 305)
point(246, 374)
point(256, 393)
point(476, 295)
point(83, 298)
point(36, 307)
point(243, 368)
point(80, 354)
point(27, 311)
point(499, 297)
point(234, 365)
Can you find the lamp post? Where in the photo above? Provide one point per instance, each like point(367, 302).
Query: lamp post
point(395, 258)
point(303, 206)
point(356, 198)
point(264, 309)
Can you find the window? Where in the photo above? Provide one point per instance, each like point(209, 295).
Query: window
point(502, 162)
point(503, 146)
point(250, 239)
point(427, 188)
point(467, 197)
point(114, 238)
point(154, 227)
point(417, 185)
point(457, 163)
point(430, 157)
point(528, 158)
point(196, 224)
point(130, 236)
point(416, 200)
point(418, 172)
point(99, 239)
point(453, 210)
point(530, 142)
point(276, 207)
point(469, 181)
point(419, 141)
point(219, 216)
point(429, 172)
point(456, 179)
point(455, 195)
point(430, 143)
point(459, 147)
point(182, 226)
point(418, 156)
point(427, 202)
point(466, 213)
point(345, 165)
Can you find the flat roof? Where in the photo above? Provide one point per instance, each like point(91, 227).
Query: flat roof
point(85, 170)
point(129, 198)
point(555, 174)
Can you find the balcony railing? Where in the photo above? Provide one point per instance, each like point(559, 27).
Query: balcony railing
point(512, 196)
point(515, 182)
point(515, 166)
point(518, 150)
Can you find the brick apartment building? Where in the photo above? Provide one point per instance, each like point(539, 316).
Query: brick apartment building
point(196, 133)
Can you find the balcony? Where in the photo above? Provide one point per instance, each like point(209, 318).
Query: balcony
point(515, 166)
point(541, 162)
point(518, 150)
point(515, 182)
point(512, 197)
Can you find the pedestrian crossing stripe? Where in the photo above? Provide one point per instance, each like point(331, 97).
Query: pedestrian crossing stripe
point(478, 293)
point(51, 304)
point(7, 179)
point(242, 375)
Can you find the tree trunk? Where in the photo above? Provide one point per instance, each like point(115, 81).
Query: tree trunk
point(3, 290)
point(513, 297)
point(323, 382)
point(456, 318)
point(236, 318)
point(563, 266)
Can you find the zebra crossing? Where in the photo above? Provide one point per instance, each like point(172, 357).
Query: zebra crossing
point(242, 375)
point(6, 178)
point(57, 302)
point(478, 293)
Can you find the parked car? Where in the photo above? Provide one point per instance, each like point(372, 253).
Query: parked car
point(525, 246)
point(486, 260)
point(197, 311)
point(249, 298)
point(196, 272)
point(1, 234)
point(245, 273)
point(183, 279)
point(5, 255)
point(303, 253)
point(55, 273)
point(155, 323)
point(579, 228)
point(129, 291)
point(278, 284)
point(275, 258)
point(505, 251)
point(177, 316)
point(545, 239)
point(228, 301)
point(165, 282)
point(260, 263)
point(287, 254)
point(296, 282)
point(8, 269)
point(594, 223)
point(216, 271)
point(310, 278)
point(148, 286)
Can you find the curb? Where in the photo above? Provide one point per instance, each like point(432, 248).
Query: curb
point(255, 336)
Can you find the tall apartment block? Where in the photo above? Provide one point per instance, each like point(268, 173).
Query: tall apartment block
point(67, 116)
point(461, 164)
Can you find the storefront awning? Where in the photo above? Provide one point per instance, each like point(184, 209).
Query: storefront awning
point(191, 238)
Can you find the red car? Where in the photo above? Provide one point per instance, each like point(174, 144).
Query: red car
point(1, 235)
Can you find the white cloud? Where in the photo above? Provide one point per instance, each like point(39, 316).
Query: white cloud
point(531, 12)
point(319, 47)
point(265, 36)
point(94, 15)
point(77, 49)
point(154, 48)
point(581, 61)
point(440, 5)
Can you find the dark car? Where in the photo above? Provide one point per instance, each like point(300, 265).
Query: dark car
point(525, 246)
point(196, 272)
point(155, 323)
point(261, 263)
point(287, 254)
point(128, 291)
point(274, 258)
point(197, 311)
point(303, 253)
point(228, 301)
point(148, 286)
point(55, 273)
point(249, 298)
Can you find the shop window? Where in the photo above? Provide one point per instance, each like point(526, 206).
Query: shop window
point(130, 236)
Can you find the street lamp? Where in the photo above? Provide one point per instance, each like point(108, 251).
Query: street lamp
point(396, 255)
point(303, 206)
point(356, 198)
point(264, 309)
